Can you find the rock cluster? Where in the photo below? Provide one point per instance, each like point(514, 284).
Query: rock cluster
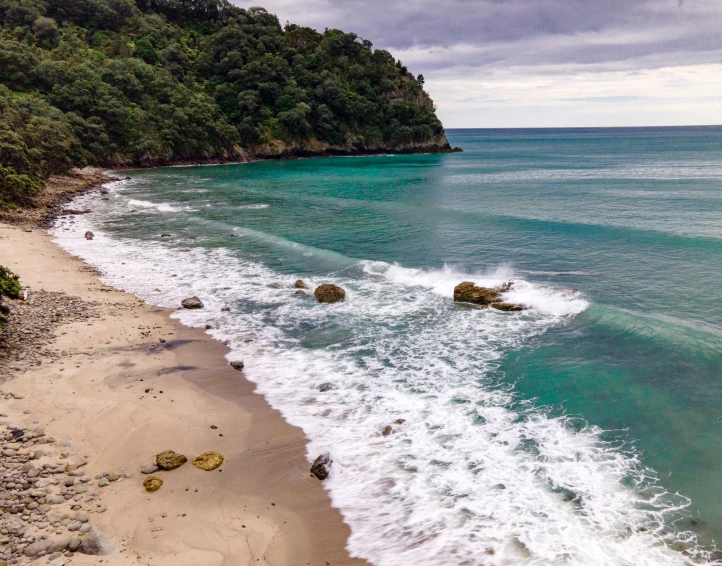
point(329, 293)
point(467, 292)
point(43, 498)
point(24, 339)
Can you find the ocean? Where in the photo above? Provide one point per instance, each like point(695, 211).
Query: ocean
point(585, 430)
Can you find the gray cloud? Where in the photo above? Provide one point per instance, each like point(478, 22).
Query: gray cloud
point(525, 32)
point(544, 62)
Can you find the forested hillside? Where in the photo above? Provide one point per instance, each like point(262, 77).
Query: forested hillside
point(144, 82)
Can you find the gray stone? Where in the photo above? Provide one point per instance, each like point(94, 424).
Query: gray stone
point(79, 516)
point(149, 469)
point(37, 547)
point(75, 526)
point(74, 544)
point(58, 545)
point(102, 482)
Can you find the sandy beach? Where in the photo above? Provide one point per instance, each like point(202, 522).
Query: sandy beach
point(119, 381)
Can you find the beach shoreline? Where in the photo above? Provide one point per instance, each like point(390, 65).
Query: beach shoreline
point(128, 382)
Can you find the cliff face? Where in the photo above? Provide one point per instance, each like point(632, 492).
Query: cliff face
point(312, 148)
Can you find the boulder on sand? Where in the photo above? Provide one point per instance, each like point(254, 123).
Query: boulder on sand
point(192, 303)
point(152, 483)
point(467, 292)
point(328, 293)
point(208, 460)
point(170, 460)
point(237, 365)
point(322, 466)
point(96, 544)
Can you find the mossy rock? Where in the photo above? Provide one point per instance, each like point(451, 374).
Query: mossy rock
point(152, 483)
point(208, 461)
point(328, 293)
point(170, 460)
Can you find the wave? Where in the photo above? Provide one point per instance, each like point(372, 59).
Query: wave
point(543, 299)
point(473, 475)
point(253, 206)
point(160, 207)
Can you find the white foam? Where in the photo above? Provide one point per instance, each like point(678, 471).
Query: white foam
point(160, 207)
point(473, 470)
point(254, 206)
point(548, 300)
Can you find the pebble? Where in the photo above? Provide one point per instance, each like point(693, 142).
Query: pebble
point(35, 498)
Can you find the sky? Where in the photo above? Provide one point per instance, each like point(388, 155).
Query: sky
point(544, 63)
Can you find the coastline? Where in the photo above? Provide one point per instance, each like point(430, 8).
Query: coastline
point(265, 508)
point(282, 152)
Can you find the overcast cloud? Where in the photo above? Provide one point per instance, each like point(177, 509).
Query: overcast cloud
point(526, 63)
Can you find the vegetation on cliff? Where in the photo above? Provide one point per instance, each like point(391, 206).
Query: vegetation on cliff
point(9, 287)
point(147, 82)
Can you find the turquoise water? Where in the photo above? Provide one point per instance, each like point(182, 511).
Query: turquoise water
point(583, 431)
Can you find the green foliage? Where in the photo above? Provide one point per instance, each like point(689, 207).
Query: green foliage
point(9, 283)
point(36, 140)
point(157, 81)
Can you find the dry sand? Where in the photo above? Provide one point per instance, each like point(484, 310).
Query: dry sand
point(260, 507)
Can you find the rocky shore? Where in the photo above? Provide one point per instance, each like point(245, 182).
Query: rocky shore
point(47, 499)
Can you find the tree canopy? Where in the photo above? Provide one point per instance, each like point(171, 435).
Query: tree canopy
point(148, 82)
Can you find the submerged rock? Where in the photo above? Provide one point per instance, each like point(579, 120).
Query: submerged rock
point(170, 460)
point(192, 303)
point(508, 307)
point(467, 292)
point(328, 293)
point(208, 460)
point(322, 466)
point(299, 284)
point(89, 235)
point(152, 483)
point(326, 387)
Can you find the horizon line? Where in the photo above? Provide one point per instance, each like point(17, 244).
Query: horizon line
point(586, 127)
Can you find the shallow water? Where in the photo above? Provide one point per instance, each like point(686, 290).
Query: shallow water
point(584, 431)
